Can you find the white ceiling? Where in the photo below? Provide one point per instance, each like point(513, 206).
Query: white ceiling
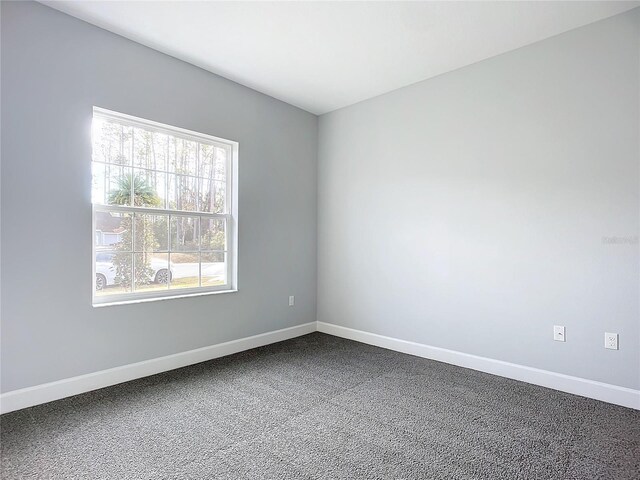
point(321, 56)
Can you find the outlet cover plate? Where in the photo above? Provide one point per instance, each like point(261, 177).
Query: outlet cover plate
point(558, 333)
point(611, 341)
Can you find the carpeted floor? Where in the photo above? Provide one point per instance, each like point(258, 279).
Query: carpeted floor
point(322, 407)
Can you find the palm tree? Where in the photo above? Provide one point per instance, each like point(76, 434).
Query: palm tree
point(144, 194)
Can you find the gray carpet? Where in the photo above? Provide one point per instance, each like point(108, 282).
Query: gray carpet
point(322, 407)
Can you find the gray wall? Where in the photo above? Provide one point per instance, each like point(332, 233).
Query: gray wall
point(468, 211)
point(54, 69)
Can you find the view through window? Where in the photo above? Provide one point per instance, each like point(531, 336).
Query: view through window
point(162, 198)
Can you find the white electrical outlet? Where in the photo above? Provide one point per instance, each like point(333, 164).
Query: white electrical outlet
point(292, 300)
point(558, 333)
point(611, 340)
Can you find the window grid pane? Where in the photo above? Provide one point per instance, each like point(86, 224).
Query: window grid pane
point(168, 171)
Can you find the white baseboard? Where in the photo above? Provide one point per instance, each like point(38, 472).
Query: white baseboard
point(626, 397)
point(27, 397)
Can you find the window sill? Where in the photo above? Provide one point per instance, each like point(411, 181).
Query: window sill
point(155, 299)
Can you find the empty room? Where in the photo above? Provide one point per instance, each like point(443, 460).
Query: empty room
point(320, 240)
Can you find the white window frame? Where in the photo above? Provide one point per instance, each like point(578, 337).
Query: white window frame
point(231, 215)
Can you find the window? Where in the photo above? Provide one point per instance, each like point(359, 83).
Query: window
point(164, 210)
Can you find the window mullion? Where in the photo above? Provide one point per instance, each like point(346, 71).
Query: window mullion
point(169, 248)
point(227, 180)
point(133, 251)
point(166, 175)
point(197, 177)
point(157, 211)
point(132, 193)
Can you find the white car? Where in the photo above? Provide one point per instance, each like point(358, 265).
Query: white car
point(106, 271)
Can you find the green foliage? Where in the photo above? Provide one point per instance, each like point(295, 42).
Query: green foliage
point(160, 229)
point(213, 239)
point(143, 194)
point(145, 240)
